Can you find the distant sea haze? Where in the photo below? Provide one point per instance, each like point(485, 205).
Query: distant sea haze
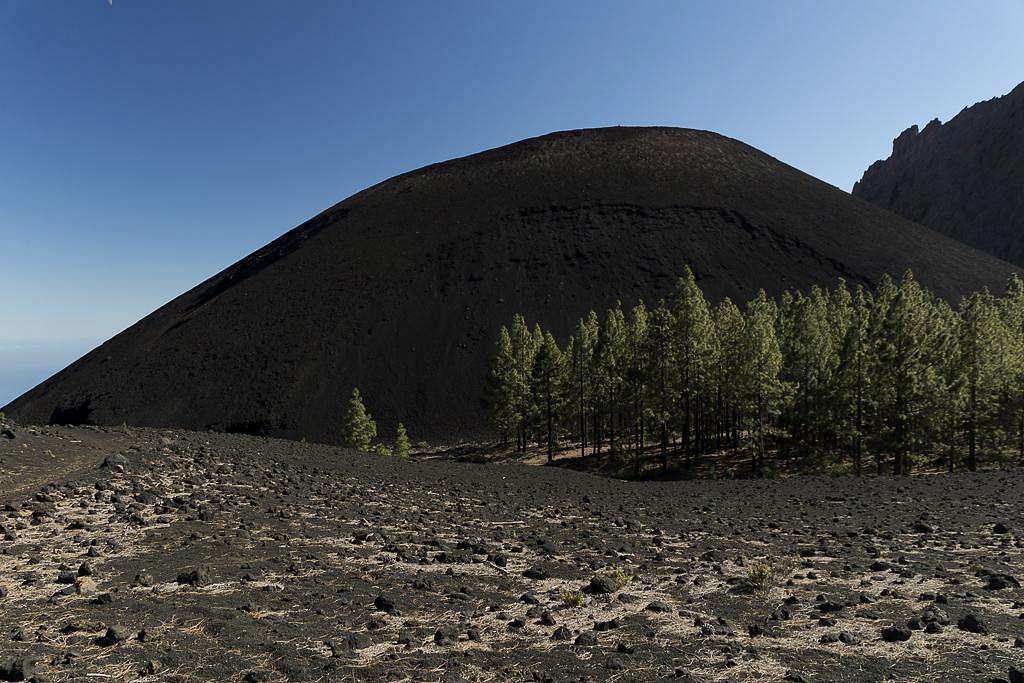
point(23, 365)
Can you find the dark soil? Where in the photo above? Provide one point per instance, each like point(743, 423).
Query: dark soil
point(400, 289)
point(200, 556)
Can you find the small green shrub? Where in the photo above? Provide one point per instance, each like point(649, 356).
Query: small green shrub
point(621, 575)
point(760, 575)
point(401, 441)
point(572, 598)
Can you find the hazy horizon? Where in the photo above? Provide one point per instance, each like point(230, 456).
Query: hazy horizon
point(148, 145)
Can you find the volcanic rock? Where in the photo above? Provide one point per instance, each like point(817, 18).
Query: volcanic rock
point(962, 178)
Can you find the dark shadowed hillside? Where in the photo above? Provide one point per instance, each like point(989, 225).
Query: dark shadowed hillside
point(964, 178)
point(400, 288)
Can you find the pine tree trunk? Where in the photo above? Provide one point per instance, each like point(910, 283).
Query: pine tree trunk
point(612, 445)
point(643, 434)
point(664, 446)
point(583, 414)
point(718, 418)
point(897, 463)
point(858, 439)
point(1020, 437)
point(551, 434)
point(952, 438)
point(972, 433)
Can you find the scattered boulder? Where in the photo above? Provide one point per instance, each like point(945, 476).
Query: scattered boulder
point(997, 582)
point(385, 603)
point(658, 606)
point(198, 577)
point(116, 462)
point(561, 633)
point(896, 634)
point(18, 669)
point(113, 636)
point(602, 585)
point(446, 635)
point(972, 624)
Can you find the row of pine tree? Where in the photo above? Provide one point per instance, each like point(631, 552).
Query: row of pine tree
point(881, 379)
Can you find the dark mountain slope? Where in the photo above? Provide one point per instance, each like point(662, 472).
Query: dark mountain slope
point(964, 178)
point(400, 288)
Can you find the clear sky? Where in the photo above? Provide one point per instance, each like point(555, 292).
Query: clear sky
point(147, 144)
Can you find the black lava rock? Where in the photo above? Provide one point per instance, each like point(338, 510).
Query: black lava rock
point(200, 576)
point(896, 634)
point(972, 624)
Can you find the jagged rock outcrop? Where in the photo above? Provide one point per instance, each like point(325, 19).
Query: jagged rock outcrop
point(964, 178)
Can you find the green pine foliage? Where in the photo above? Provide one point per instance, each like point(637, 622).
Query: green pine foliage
point(549, 382)
point(1012, 313)
point(502, 387)
point(886, 379)
point(612, 358)
point(761, 388)
point(359, 430)
point(659, 370)
point(402, 445)
point(695, 351)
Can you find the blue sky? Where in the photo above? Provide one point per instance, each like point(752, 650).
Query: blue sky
point(146, 144)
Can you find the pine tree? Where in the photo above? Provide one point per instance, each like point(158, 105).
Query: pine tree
point(402, 446)
point(853, 377)
point(611, 356)
point(978, 339)
point(905, 376)
point(501, 387)
point(549, 378)
point(583, 373)
point(840, 312)
point(762, 363)
point(694, 345)
point(524, 350)
point(877, 420)
point(359, 429)
point(537, 415)
point(636, 375)
point(810, 360)
point(950, 371)
point(728, 372)
point(1012, 312)
point(661, 363)
point(566, 418)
